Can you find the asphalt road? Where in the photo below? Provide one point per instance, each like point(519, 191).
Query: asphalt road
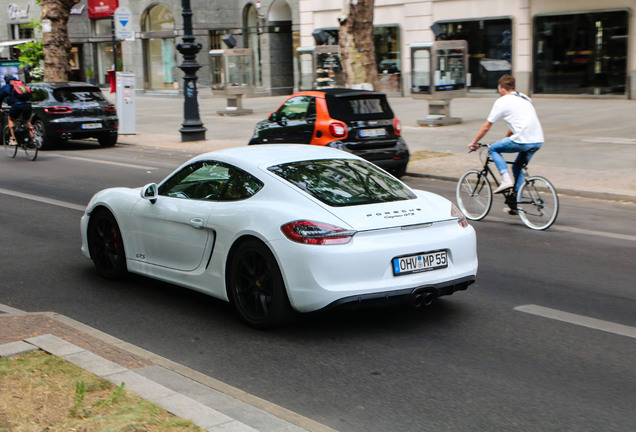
point(501, 356)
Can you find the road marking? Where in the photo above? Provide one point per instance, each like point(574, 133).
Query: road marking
point(574, 230)
point(580, 320)
point(594, 233)
point(105, 162)
point(607, 140)
point(43, 199)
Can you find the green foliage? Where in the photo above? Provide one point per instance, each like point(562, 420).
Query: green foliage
point(116, 396)
point(36, 24)
point(78, 409)
point(31, 53)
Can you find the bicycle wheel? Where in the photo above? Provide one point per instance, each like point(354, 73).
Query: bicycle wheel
point(6, 136)
point(474, 195)
point(537, 203)
point(31, 149)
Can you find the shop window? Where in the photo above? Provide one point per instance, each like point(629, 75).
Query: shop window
point(102, 27)
point(387, 54)
point(105, 61)
point(159, 49)
point(581, 53)
point(158, 18)
point(22, 31)
point(489, 49)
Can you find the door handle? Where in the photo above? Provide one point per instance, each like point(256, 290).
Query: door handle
point(196, 222)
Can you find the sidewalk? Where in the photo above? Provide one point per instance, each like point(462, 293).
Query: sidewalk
point(590, 147)
point(590, 150)
point(209, 403)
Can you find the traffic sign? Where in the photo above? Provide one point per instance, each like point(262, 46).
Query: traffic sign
point(123, 23)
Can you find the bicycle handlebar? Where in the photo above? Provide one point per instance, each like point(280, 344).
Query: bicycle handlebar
point(480, 145)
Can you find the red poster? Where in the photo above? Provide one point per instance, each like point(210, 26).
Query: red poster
point(102, 8)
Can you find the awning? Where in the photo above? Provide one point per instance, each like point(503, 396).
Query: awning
point(15, 42)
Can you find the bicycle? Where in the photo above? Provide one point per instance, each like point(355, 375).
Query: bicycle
point(27, 138)
point(536, 202)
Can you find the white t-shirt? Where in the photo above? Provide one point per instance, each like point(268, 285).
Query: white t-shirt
point(517, 110)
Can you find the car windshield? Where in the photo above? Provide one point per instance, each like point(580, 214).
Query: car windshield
point(359, 107)
point(343, 182)
point(78, 94)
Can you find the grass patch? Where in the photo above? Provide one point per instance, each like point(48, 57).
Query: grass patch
point(421, 155)
point(43, 393)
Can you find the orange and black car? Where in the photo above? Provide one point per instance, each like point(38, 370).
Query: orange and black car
point(357, 121)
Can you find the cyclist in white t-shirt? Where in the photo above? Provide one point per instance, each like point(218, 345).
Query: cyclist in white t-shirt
point(525, 134)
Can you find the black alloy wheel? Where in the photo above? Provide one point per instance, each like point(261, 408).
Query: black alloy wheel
point(106, 245)
point(256, 286)
point(107, 140)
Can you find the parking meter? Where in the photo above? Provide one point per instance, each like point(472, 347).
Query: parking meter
point(439, 74)
point(233, 74)
point(125, 98)
point(320, 67)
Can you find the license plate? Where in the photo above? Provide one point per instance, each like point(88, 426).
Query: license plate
point(370, 133)
point(91, 125)
point(420, 263)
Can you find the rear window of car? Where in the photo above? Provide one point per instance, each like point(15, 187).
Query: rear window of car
point(343, 182)
point(78, 94)
point(359, 107)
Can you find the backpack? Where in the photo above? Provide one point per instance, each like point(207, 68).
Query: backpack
point(21, 91)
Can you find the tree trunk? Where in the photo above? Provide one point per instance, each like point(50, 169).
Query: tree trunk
point(56, 44)
point(357, 49)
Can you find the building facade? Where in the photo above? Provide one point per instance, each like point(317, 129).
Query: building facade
point(267, 27)
point(564, 47)
point(569, 47)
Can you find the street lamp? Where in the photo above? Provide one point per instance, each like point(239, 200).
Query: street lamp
point(192, 126)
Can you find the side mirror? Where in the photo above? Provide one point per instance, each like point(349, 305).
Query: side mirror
point(273, 117)
point(149, 192)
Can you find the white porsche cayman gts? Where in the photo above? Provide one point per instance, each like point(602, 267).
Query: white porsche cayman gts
point(281, 228)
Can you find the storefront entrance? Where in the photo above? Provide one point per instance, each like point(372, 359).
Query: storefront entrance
point(159, 48)
point(581, 53)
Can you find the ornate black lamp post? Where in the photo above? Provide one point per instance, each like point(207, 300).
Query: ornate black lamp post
point(192, 126)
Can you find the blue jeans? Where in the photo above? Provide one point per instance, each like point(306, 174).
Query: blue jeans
point(506, 145)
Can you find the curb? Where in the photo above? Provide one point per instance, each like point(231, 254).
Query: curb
point(607, 196)
point(207, 402)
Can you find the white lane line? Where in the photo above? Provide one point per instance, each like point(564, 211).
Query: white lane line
point(593, 233)
point(580, 320)
point(43, 199)
point(610, 140)
point(105, 162)
point(574, 230)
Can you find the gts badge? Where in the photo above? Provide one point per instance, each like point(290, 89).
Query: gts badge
point(140, 256)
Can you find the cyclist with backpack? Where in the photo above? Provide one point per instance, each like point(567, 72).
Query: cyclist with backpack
point(18, 96)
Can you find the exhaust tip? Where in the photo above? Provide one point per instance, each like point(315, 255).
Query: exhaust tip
point(422, 298)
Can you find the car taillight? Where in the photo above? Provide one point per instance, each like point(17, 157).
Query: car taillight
point(316, 233)
point(397, 126)
point(111, 108)
point(58, 110)
point(337, 130)
point(457, 213)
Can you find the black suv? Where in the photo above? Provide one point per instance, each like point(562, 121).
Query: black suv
point(358, 121)
point(72, 110)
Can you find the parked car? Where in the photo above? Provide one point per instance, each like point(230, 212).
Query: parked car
point(72, 110)
point(275, 229)
point(357, 121)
